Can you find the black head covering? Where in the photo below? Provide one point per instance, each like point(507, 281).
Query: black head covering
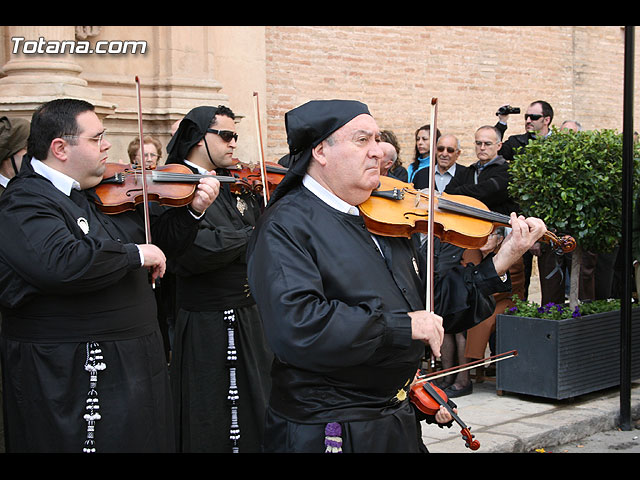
point(191, 130)
point(307, 126)
point(13, 136)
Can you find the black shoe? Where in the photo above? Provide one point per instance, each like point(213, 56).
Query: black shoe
point(442, 384)
point(453, 392)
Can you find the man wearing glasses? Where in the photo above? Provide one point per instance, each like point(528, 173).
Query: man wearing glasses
point(83, 363)
point(447, 154)
point(537, 123)
point(220, 363)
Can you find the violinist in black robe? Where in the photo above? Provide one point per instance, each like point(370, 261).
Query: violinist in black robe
point(82, 355)
point(220, 363)
point(344, 310)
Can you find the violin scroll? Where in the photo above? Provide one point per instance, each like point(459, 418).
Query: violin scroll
point(564, 244)
point(471, 442)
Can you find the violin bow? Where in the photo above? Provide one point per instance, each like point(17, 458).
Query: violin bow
point(145, 195)
point(263, 173)
point(468, 366)
point(429, 301)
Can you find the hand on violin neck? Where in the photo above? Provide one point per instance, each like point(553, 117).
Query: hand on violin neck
point(206, 193)
point(525, 232)
point(427, 327)
point(443, 416)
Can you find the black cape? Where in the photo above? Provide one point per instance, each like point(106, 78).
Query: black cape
point(62, 289)
point(335, 316)
point(211, 280)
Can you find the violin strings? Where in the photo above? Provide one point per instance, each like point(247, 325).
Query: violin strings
point(472, 211)
point(182, 177)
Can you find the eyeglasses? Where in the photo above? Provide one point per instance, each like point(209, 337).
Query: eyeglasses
point(441, 148)
point(532, 116)
point(98, 138)
point(226, 135)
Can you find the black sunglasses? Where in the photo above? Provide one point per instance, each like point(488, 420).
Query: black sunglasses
point(532, 116)
point(449, 149)
point(226, 135)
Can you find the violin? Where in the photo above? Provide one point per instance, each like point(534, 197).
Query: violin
point(428, 398)
point(397, 209)
point(252, 177)
point(174, 185)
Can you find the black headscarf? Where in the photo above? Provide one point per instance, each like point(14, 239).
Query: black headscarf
point(307, 126)
point(13, 136)
point(191, 130)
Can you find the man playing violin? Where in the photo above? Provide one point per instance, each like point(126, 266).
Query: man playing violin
point(82, 356)
point(343, 309)
point(219, 348)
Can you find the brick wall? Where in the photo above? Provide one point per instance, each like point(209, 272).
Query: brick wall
point(472, 70)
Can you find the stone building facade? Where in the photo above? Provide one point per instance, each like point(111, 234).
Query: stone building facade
point(396, 70)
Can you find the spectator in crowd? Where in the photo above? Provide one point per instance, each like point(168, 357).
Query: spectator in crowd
point(487, 180)
point(396, 170)
point(447, 256)
point(447, 154)
point(537, 123)
point(13, 145)
point(389, 156)
point(422, 154)
point(571, 125)
point(152, 152)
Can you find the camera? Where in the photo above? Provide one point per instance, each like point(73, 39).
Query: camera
point(507, 110)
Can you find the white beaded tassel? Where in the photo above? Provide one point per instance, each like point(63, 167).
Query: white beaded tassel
point(232, 397)
point(93, 363)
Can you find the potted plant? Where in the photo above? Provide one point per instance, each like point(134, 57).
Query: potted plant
point(563, 351)
point(573, 182)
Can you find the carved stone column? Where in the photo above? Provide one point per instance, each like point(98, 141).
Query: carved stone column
point(40, 68)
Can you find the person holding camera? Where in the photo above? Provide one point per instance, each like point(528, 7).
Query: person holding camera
point(537, 123)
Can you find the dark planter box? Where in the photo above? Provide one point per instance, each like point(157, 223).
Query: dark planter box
point(561, 359)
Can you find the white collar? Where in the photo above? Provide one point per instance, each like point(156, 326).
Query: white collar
point(201, 170)
point(4, 181)
point(327, 197)
point(61, 181)
point(451, 170)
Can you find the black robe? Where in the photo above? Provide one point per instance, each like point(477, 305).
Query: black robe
point(211, 282)
point(65, 292)
point(335, 315)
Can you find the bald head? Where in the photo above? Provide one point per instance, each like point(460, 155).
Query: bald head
point(390, 155)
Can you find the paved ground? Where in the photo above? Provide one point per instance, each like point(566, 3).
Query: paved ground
point(514, 423)
point(610, 441)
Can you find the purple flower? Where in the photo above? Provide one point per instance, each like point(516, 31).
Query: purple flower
point(576, 312)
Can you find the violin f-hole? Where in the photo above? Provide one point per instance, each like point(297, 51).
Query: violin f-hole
point(133, 192)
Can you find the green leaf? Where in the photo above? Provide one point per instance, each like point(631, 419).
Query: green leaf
point(573, 181)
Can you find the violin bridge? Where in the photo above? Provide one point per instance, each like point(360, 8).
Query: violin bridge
point(116, 178)
point(395, 194)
